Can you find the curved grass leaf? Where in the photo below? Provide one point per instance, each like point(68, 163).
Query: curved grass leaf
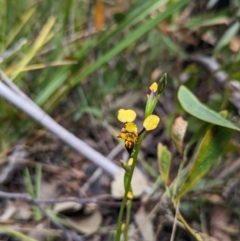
point(54, 84)
point(207, 155)
point(228, 36)
point(39, 42)
point(210, 19)
point(194, 107)
point(19, 25)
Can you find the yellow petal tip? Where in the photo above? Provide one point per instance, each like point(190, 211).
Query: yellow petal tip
point(151, 122)
point(126, 115)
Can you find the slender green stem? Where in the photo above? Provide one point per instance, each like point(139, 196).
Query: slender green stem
point(175, 222)
point(150, 105)
point(184, 159)
point(129, 206)
point(128, 185)
point(125, 233)
point(119, 224)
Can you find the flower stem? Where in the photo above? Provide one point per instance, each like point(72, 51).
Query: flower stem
point(128, 186)
point(129, 206)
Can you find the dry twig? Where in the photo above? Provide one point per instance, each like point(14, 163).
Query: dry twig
point(10, 92)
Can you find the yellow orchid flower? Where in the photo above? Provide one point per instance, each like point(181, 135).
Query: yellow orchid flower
point(153, 87)
point(126, 115)
point(131, 127)
point(130, 134)
point(151, 122)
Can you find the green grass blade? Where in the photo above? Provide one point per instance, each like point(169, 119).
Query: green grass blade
point(211, 19)
point(68, 6)
point(228, 36)
point(34, 191)
point(56, 82)
point(28, 183)
point(172, 47)
point(3, 24)
point(38, 181)
point(133, 36)
point(133, 17)
point(39, 42)
point(15, 234)
point(18, 27)
point(194, 107)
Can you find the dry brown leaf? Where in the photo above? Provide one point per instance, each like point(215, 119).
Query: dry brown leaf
point(99, 15)
point(145, 225)
point(235, 44)
point(90, 208)
point(67, 207)
point(86, 224)
point(17, 210)
point(132, 235)
point(178, 131)
point(24, 210)
point(219, 218)
point(9, 211)
point(157, 72)
point(215, 199)
point(48, 190)
point(36, 232)
point(117, 8)
point(139, 184)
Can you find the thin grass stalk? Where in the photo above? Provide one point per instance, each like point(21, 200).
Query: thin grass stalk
point(15, 234)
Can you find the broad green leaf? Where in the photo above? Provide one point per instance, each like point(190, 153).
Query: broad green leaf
point(194, 107)
point(164, 163)
point(207, 155)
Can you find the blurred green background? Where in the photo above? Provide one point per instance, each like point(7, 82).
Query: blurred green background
point(81, 57)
